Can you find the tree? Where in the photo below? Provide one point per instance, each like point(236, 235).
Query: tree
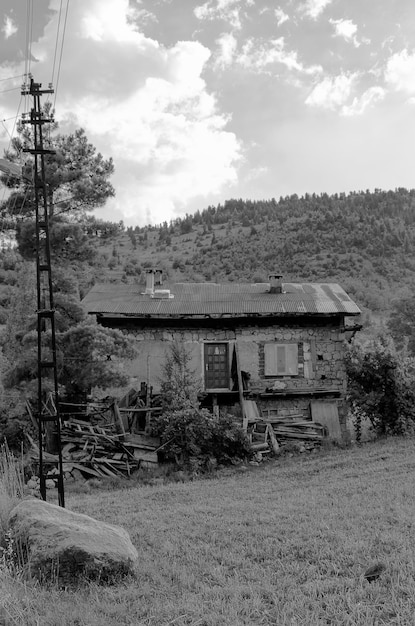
point(68, 241)
point(77, 179)
point(87, 354)
point(401, 323)
point(93, 356)
point(380, 387)
point(77, 176)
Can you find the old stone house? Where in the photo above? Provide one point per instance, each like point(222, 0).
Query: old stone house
point(281, 344)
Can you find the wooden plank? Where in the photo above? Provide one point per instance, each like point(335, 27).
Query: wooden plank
point(294, 435)
point(87, 470)
point(240, 387)
point(117, 416)
point(145, 455)
point(274, 443)
point(327, 414)
point(259, 446)
point(153, 409)
point(251, 410)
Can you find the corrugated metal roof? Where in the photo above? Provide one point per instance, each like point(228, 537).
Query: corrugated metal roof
point(210, 299)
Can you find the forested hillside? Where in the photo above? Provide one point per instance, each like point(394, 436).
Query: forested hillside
point(364, 240)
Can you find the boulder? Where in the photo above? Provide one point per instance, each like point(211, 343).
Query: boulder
point(55, 543)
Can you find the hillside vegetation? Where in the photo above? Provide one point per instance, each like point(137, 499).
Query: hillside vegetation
point(363, 240)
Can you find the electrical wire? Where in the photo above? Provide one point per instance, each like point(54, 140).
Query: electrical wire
point(11, 89)
point(56, 42)
point(7, 119)
point(10, 78)
point(61, 53)
point(30, 35)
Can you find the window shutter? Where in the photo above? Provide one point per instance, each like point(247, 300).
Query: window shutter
point(281, 359)
point(291, 359)
point(270, 354)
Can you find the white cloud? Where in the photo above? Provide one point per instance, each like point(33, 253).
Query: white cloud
point(9, 28)
point(332, 92)
point(400, 71)
point(367, 99)
point(346, 29)
point(259, 56)
point(227, 10)
point(281, 16)
point(145, 105)
point(313, 8)
point(227, 49)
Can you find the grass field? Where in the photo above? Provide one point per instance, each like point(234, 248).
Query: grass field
point(285, 543)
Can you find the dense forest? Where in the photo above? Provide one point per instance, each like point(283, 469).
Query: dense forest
point(364, 240)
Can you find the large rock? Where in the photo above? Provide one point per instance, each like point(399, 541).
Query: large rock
point(56, 543)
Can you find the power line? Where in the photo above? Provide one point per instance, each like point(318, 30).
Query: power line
point(7, 119)
point(30, 35)
point(56, 42)
point(10, 78)
point(11, 89)
point(61, 52)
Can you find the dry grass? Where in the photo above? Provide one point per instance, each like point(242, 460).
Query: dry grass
point(11, 485)
point(285, 543)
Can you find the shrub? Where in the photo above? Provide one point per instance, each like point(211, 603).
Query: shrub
point(381, 387)
point(192, 436)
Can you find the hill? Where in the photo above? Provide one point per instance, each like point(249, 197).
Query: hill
point(363, 240)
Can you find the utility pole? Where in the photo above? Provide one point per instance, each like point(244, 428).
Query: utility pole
point(48, 415)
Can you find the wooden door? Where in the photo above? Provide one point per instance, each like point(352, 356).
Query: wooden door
point(216, 366)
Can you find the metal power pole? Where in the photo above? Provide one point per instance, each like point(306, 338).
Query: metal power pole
point(48, 415)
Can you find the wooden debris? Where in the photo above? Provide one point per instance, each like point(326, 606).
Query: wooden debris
point(98, 450)
point(273, 433)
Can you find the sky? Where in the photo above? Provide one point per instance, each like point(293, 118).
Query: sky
point(199, 102)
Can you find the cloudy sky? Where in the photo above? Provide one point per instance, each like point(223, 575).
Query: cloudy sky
point(199, 102)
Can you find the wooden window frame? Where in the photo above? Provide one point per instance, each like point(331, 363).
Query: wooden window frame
point(228, 362)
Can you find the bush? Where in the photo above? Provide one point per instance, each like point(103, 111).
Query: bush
point(194, 437)
point(381, 387)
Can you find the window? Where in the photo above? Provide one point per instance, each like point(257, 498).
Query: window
point(216, 366)
point(281, 359)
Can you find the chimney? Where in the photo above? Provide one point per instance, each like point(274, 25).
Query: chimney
point(275, 284)
point(149, 282)
point(158, 277)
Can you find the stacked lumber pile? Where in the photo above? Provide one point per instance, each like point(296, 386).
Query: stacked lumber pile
point(271, 434)
point(296, 427)
point(98, 451)
point(95, 450)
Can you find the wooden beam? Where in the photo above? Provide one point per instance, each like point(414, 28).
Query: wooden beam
point(240, 387)
point(118, 418)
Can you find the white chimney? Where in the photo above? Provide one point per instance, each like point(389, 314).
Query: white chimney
point(149, 282)
point(275, 283)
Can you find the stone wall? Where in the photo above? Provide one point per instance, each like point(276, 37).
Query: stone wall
point(321, 365)
point(320, 354)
